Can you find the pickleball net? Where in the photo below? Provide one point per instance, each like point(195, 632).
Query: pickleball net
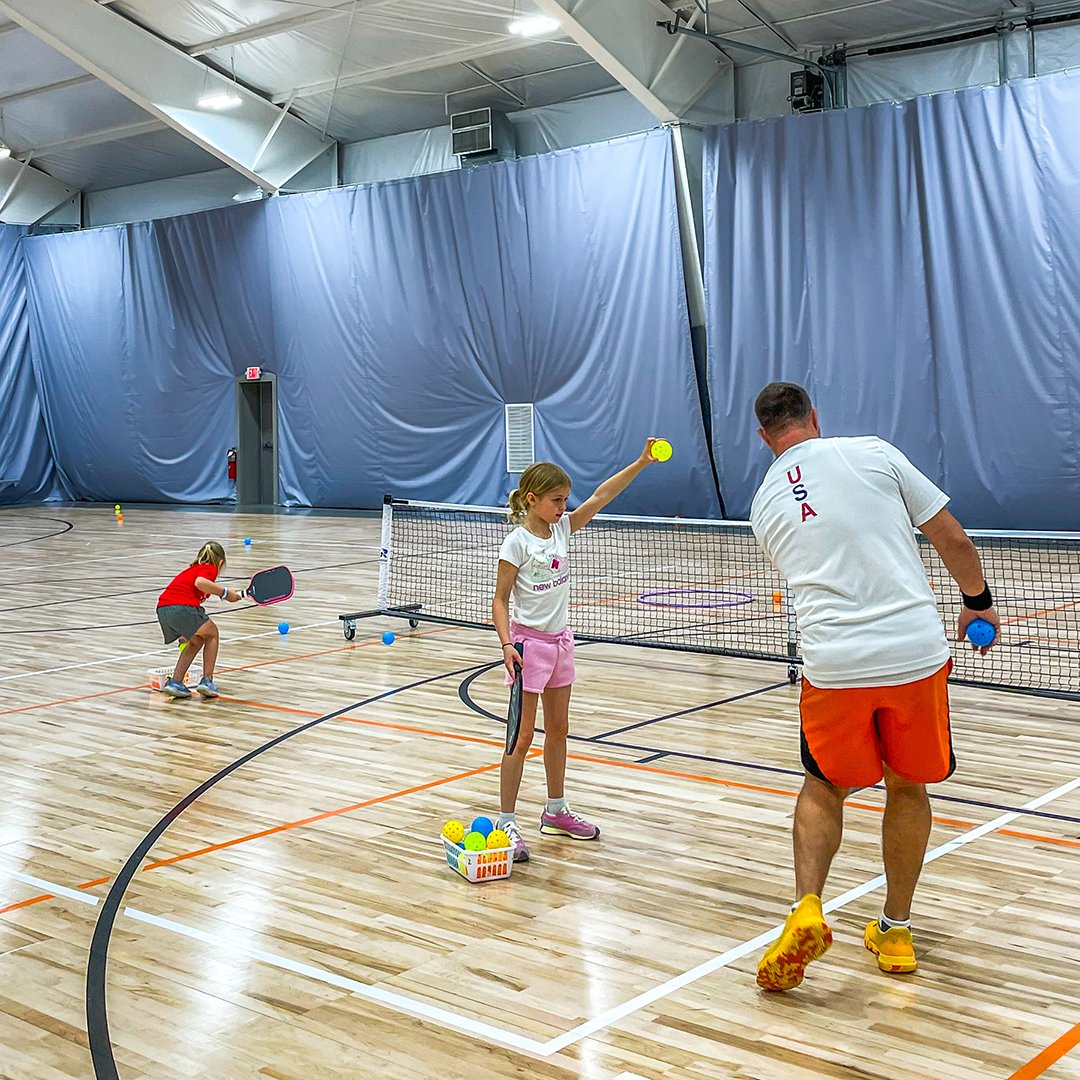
point(704, 586)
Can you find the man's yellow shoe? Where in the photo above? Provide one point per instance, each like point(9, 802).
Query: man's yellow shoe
point(894, 949)
point(805, 937)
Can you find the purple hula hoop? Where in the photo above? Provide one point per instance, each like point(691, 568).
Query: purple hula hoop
point(722, 598)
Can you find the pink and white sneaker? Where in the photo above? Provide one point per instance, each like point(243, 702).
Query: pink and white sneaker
point(567, 823)
point(517, 841)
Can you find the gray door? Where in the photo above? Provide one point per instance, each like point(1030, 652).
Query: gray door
point(256, 441)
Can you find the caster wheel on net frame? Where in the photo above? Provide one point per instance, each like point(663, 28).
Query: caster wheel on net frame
point(414, 623)
point(793, 675)
point(349, 630)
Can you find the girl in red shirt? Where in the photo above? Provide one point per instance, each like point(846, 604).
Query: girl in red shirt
point(181, 615)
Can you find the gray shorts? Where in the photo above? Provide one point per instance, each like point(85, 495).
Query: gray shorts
point(180, 621)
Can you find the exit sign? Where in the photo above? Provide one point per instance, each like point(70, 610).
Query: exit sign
point(254, 372)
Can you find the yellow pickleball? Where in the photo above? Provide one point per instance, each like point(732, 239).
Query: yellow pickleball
point(454, 831)
point(498, 839)
point(661, 450)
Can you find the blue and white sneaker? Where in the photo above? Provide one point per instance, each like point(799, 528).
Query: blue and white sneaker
point(175, 689)
point(206, 688)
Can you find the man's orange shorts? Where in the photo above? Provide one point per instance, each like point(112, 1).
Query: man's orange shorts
point(847, 733)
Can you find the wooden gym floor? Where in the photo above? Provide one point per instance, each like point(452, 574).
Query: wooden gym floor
point(297, 921)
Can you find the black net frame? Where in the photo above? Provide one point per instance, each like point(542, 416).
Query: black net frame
point(705, 586)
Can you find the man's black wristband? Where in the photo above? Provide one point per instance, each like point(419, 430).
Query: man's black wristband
point(980, 602)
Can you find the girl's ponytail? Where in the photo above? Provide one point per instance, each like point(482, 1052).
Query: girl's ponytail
point(210, 552)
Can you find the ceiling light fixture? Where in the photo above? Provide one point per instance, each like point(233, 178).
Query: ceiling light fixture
point(533, 26)
point(220, 100)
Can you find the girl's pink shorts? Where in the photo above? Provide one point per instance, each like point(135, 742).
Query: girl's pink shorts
point(549, 658)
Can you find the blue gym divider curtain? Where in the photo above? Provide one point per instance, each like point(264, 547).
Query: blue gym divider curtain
point(917, 267)
point(399, 319)
point(25, 456)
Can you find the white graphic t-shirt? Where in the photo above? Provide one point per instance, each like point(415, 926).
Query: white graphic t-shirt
point(836, 517)
point(541, 591)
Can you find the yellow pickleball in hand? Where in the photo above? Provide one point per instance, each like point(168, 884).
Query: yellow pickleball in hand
point(661, 450)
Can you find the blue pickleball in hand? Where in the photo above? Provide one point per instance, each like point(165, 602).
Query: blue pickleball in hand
point(981, 633)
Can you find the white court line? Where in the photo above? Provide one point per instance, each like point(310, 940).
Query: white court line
point(438, 1016)
point(49, 887)
point(156, 652)
point(454, 1022)
point(664, 989)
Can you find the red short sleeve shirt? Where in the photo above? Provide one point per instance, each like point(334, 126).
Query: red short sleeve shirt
point(181, 590)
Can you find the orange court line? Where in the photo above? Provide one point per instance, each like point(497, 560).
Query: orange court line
point(634, 765)
point(49, 896)
point(488, 768)
point(246, 667)
point(1041, 839)
point(327, 814)
point(1050, 1056)
point(68, 701)
point(1036, 614)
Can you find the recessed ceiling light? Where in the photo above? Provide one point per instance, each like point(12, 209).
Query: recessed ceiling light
point(220, 99)
point(533, 26)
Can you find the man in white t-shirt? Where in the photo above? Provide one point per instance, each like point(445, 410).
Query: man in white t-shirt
point(836, 517)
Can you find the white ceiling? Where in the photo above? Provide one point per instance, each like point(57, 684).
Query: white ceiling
point(364, 68)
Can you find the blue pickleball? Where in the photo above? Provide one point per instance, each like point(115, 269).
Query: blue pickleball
point(981, 633)
point(483, 826)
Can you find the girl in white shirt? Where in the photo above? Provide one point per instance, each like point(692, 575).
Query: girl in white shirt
point(534, 568)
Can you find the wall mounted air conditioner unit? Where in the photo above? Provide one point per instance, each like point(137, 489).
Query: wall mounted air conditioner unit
point(480, 136)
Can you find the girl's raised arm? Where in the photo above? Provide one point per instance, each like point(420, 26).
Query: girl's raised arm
point(609, 489)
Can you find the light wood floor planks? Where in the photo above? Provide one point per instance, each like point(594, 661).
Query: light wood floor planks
point(309, 880)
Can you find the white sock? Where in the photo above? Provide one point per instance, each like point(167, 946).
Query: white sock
point(888, 924)
point(506, 819)
point(557, 806)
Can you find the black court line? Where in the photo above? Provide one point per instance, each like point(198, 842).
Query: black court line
point(97, 1017)
point(651, 757)
point(687, 712)
point(466, 697)
point(68, 526)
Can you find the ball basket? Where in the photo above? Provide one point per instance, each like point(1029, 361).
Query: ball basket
point(492, 864)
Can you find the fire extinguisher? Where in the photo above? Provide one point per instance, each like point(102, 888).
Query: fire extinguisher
point(232, 463)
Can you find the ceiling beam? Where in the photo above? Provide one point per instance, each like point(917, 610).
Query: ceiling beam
point(493, 82)
point(282, 25)
point(770, 26)
point(106, 135)
point(48, 88)
point(410, 67)
point(170, 85)
point(668, 75)
point(27, 194)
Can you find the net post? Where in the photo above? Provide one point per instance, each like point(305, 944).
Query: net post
point(384, 551)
